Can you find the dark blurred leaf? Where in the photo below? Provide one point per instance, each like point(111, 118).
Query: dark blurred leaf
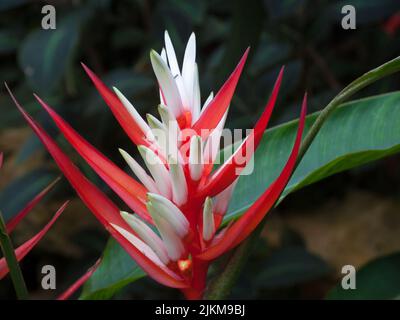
point(247, 23)
point(18, 193)
point(290, 266)
point(282, 8)
point(194, 9)
point(213, 30)
point(131, 84)
point(128, 37)
point(378, 279)
point(11, 4)
point(116, 270)
point(11, 117)
point(30, 146)
point(268, 54)
point(8, 41)
point(369, 130)
point(46, 54)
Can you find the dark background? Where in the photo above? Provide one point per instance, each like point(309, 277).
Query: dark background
point(349, 218)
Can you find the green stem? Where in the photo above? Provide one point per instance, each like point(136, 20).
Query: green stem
point(222, 286)
point(366, 79)
point(12, 262)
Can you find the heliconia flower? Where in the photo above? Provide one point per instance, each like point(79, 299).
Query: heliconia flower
point(172, 229)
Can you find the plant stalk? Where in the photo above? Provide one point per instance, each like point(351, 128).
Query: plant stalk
point(12, 262)
point(221, 287)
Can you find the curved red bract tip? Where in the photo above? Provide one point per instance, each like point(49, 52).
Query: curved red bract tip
point(25, 248)
point(79, 283)
point(101, 206)
point(253, 216)
point(210, 118)
point(132, 192)
point(129, 125)
point(13, 222)
point(229, 171)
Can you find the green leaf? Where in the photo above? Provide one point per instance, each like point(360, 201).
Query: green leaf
point(378, 279)
point(356, 133)
point(45, 54)
point(290, 266)
point(116, 270)
point(282, 8)
point(9, 41)
point(15, 196)
point(194, 9)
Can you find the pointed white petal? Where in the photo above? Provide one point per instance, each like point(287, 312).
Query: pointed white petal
point(221, 201)
point(182, 91)
point(208, 220)
point(154, 122)
point(189, 60)
point(167, 116)
point(164, 57)
point(147, 235)
point(140, 173)
point(171, 240)
point(157, 170)
point(196, 158)
point(173, 62)
point(196, 96)
point(173, 131)
point(135, 115)
point(167, 83)
point(207, 102)
point(218, 236)
point(211, 147)
point(178, 181)
point(159, 132)
point(170, 212)
point(141, 246)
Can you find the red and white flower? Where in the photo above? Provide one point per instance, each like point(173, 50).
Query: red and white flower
point(173, 228)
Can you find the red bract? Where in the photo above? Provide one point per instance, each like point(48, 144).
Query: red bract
point(181, 197)
point(78, 283)
point(26, 247)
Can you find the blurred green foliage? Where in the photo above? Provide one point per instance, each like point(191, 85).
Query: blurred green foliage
point(114, 39)
point(379, 279)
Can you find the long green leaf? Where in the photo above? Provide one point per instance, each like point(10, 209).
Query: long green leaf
point(356, 133)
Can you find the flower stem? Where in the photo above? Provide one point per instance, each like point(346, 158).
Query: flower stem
point(12, 262)
point(196, 291)
point(221, 287)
